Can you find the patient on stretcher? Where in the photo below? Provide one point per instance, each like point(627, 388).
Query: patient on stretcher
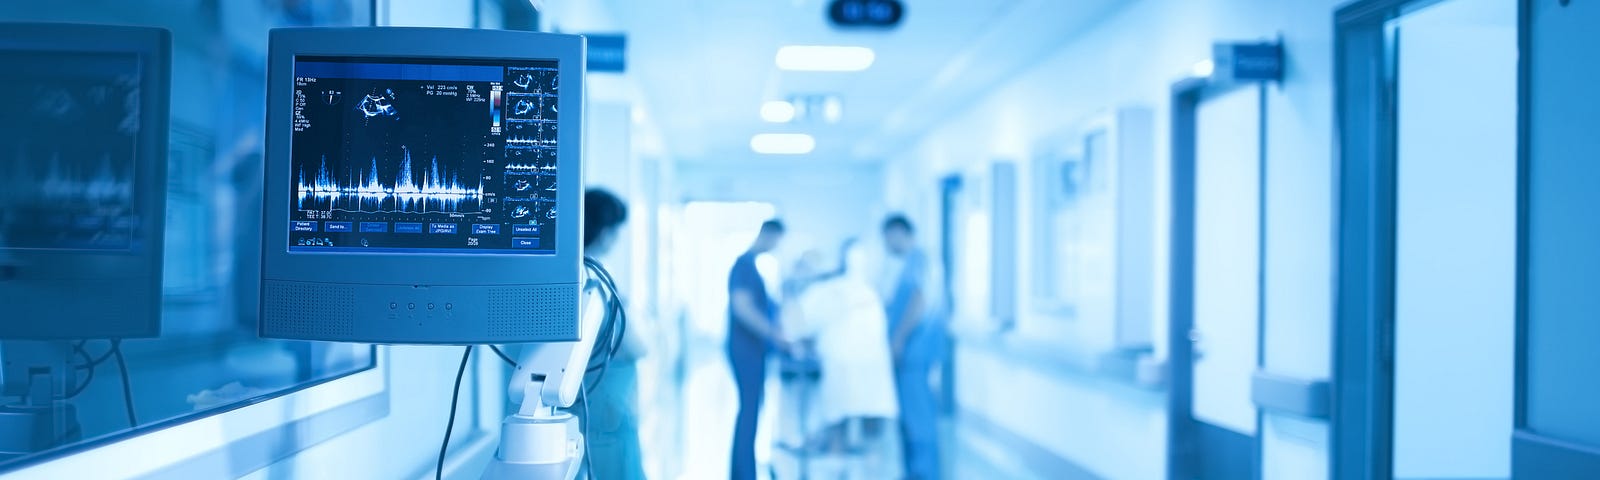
point(851, 405)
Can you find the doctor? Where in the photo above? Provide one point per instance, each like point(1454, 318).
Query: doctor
point(915, 338)
point(753, 333)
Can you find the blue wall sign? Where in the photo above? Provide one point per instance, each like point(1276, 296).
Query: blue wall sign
point(607, 53)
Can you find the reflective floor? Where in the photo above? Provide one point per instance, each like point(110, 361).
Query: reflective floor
point(972, 447)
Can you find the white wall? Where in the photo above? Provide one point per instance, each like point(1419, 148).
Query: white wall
point(608, 163)
point(1131, 59)
point(405, 444)
point(821, 203)
point(425, 13)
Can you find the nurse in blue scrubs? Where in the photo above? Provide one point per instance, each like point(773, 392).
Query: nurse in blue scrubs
point(916, 337)
point(612, 415)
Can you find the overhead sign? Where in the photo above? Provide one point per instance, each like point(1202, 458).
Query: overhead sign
point(607, 53)
point(866, 13)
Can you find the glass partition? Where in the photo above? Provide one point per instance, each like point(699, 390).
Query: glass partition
point(130, 200)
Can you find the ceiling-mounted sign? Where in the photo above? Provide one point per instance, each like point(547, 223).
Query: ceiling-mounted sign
point(866, 13)
point(607, 53)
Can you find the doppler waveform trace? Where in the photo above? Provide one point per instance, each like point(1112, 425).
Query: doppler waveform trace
point(439, 191)
point(63, 182)
point(525, 169)
point(527, 141)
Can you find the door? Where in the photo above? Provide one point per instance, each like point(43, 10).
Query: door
point(1400, 133)
point(1558, 342)
point(1216, 281)
point(1455, 239)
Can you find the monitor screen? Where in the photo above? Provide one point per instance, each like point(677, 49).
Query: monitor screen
point(423, 155)
point(68, 150)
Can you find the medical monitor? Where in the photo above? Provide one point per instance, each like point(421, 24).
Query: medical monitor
point(422, 186)
point(83, 162)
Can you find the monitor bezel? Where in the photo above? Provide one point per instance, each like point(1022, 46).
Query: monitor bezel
point(139, 269)
point(434, 268)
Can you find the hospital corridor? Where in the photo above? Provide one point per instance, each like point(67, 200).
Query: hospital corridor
point(800, 239)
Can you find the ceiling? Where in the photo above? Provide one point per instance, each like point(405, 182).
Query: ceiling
point(700, 69)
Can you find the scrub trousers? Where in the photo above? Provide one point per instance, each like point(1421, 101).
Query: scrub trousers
point(919, 408)
point(749, 361)
point(614, 447)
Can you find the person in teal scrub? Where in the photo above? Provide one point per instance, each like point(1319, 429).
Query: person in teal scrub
point(916, 336)
point(612, 415)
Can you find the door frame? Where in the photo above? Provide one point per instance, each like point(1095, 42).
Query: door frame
point(1361, 434)
point(1185, 434)
point(950, 190)
point(1534, 455)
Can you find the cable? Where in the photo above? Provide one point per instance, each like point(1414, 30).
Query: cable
point(89, 365)
point(455, 396)
point(613, 331)
point(92, 363)
point(588, 457)
point(127, 386)
point(509, 361)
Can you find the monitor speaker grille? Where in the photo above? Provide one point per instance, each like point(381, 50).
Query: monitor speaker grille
point(315, 311)
point(540, 312)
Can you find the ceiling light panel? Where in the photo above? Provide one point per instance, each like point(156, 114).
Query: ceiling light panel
point(777, 111)
point(782, 143)
point(824, 58)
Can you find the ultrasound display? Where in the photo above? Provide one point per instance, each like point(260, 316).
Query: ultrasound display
point(423, 155)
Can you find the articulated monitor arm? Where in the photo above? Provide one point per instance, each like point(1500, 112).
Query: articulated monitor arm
point(539, 441)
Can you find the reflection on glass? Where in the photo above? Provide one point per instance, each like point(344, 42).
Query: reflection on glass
point(71, 127)
point(91, 347)
point(79, 180)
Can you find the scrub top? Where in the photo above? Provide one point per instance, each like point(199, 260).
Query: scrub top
point(745, 276)
point(913, 276)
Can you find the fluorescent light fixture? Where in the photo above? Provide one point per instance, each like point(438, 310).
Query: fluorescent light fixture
point(777, 111)
point(782, 143)
point(824, 58)
point(1204, 68)
point(832, 109)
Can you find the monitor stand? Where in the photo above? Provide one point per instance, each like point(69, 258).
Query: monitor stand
point(34, 412)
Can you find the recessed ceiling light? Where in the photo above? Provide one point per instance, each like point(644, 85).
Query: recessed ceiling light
point(1203, 68)
point(782, 143)
point(824, 58)
point(832, 109)
point(777, 111)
